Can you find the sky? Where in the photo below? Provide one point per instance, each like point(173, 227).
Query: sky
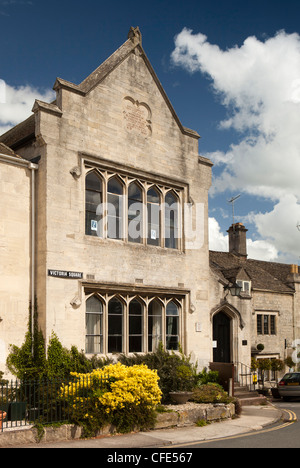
point(231, 70)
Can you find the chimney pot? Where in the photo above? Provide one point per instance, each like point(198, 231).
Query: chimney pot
point(294, 269)
point(238, 239)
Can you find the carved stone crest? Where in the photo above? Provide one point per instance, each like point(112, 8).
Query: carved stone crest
point(137, 117)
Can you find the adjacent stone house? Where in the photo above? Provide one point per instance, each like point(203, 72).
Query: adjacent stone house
point(104, 220)
point(265, 313)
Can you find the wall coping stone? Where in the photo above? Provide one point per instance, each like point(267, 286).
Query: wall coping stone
point(176, 416)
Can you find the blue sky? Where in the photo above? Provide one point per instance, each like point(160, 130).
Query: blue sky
point(230, 68)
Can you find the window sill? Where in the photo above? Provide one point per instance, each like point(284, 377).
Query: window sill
point(125, 243)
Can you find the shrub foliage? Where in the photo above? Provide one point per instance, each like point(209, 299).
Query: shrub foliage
point(123, 396)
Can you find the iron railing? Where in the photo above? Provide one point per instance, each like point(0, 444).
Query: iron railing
point(244, 375)
point(24, 403)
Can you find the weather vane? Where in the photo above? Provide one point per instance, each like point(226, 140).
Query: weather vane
point(232, 200)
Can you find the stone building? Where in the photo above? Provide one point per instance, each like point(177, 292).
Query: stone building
point(104, 220)
point(118, 178)
point(265, 313)
point(17, 177)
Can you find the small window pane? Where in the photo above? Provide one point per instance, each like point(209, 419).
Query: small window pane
point(172, 309)
point(135, 327)
point(259, 325)
point(135, 213)
point(93, 182)
point(115, 209)
point(94, 326)
point(154, 325)
point(93, 201)
point(115, 326)
point(153, 214)
point(272, 325)
point(134, 192)
point(115, 186)
point(171, 221)
point(266, 324)
point(153, 196)
point(172, 326)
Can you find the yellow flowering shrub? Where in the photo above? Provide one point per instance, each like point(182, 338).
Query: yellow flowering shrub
point(121, 393)
point(137, 385)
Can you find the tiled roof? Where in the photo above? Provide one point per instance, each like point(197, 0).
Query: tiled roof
point(20, 132)
point(268, 276)
point(8, 151)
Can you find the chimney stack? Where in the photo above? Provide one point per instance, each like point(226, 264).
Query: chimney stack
point(294, 269)
point(238, 239)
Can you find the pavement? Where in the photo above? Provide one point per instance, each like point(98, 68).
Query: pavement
point(252, 418)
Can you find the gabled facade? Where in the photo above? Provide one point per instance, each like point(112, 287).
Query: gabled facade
point(104, 220)
point(120, 187)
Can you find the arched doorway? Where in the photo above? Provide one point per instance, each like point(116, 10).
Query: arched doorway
point(222, 337)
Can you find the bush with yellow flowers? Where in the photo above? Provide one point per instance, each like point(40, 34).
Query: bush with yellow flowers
point(116, 394)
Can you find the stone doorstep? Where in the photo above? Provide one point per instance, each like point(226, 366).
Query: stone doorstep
point(183, 415)
point(253, 401)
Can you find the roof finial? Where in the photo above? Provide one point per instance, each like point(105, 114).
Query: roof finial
point(135, 35)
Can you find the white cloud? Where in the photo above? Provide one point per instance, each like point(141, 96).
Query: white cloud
point(259, 84)
point(258, 249)
point(217, 240)
point(262, 250)
point(17, 102)
point(279, 227)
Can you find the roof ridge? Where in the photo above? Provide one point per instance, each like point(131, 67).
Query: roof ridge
point(134, 40)
point(273, 278)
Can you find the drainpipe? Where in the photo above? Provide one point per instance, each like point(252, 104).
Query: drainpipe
point(15, 161)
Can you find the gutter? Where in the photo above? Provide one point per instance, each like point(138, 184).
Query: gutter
point(15, 161)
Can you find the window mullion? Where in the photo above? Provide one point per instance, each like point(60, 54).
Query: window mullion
point(125, 211)
point(125, 328)
point(162, 215)
point(146, 325)
point(105, 326)
point(164, 326)
point(105, 221)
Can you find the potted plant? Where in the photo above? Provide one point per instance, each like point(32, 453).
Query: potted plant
point(263, 365)
point(290, 363)
point(260, 347)
point(183, 385)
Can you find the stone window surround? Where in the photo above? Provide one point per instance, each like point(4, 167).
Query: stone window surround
point(146, 180)
point(245, 285)
point(268, 314)
point(145, 298)
point(162, 190)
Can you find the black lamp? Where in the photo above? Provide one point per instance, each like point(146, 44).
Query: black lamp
point(235, 289)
